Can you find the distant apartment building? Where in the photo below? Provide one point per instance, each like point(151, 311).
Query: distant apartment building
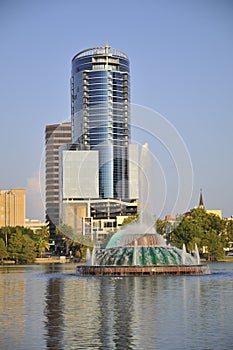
point(56, 135)
point(12, 207)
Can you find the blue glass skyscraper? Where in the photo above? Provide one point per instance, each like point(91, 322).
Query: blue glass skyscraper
point(100, 112)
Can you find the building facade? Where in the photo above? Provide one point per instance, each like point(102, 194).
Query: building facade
point(79, 173)
point(12, 207)
point(56, 135)
point(34, 224)
point(98, 171)
point(100, 114)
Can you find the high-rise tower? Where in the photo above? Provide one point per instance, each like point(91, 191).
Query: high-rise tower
point(98, 175)
point(100, 100)
point(56, 135)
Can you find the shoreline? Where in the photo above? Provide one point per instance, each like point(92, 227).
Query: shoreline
point(64, 260)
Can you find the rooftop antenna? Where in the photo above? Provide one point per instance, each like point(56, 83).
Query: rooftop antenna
point(106, 48)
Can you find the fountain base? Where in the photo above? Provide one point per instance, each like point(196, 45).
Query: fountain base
point(84, 270)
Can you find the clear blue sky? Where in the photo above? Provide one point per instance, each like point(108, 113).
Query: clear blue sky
point(181, 56)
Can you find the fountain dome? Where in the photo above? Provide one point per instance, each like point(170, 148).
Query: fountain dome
point(145, 250)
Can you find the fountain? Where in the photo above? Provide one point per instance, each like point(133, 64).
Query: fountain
point(135, 253)
point(184, 254)
point(196, 255)
point(88, 256)
point(137, 249)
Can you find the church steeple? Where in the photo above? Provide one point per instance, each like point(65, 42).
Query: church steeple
point(201, 203)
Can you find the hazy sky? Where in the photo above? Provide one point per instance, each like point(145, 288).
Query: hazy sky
point(181, 56)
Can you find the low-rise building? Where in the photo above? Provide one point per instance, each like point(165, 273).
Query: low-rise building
point(34, 224)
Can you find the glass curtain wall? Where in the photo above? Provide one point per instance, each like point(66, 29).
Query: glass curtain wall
point(100, 97)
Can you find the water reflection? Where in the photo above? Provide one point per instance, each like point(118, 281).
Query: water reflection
point(50, 307)
point(54, 313)
point(21, 302)
point(12, 310)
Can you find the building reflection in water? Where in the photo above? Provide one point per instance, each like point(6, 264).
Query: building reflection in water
point(22, 299)
point(116, 314)
point(54, 310)
point(12, 311)
point(119, 313)
point(98, 313)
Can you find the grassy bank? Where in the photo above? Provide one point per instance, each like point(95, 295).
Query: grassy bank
point(227, 259)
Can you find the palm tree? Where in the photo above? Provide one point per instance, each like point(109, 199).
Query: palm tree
point(42, 242)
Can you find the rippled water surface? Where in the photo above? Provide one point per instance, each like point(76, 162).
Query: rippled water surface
point(49, 307)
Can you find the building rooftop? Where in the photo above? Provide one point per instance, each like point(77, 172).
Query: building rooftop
point(100, 50)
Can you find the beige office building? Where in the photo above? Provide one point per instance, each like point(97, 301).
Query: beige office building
point(12, 207)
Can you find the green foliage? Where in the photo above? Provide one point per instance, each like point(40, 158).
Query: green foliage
point(130, 220)
point(207, 230)
point(28, 251)
point(214, 245)
point(161, 226)
point(42, 244)
point(229, 233)
point(64, 231)
point(15, 245)
point(22, 244)
point(67, 241)
point(3, 250)
point(83, 241)
point(42, 239)
point(43, 232)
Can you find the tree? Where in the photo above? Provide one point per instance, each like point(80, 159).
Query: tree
point(65, 231)
point(43, 231)
point(42, 244)
point(65, 236)
point(214, 245)
point(15, 245)
point(229, 233)
point(130, 219)
point(3, 250)
point(68, 240)
point(161, 226)
point(21, 245)
point(28, 253)
point(42, 239)
point(206, 230)
point(5, 234)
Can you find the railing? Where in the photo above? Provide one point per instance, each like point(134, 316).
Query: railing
point(101, 50)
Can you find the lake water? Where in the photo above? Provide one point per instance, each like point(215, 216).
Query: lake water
point(49, 307)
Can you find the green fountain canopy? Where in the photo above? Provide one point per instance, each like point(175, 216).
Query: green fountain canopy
point(143, 256)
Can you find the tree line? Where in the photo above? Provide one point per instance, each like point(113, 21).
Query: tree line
point(212, 234)
point(21, 244)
